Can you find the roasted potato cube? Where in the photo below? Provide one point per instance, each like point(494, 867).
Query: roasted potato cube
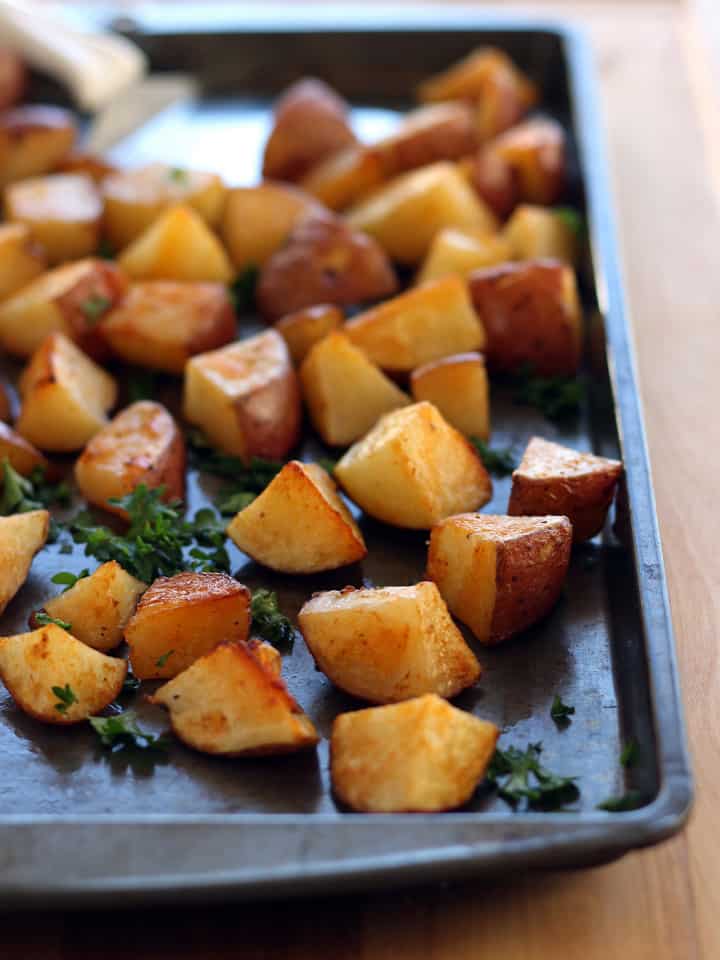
point(388, 643)
point(553, 479)
point(229, 703)
point(181, 618)
point(65, 396)
point(460, 252)
point(441, 131)
point(458, 387)
point(99, 606)
point(13, 77)
point(423, 755)
point(298, 524)
point(62, 212)
point(535, 233)
point(412, 469)
point(21, 536)
point(345, 177)
point(245, 397)
point(267, 654)
point(141, 444)
point(33, 140)
point(302, 329)
point(499, 575)
point(493, 179)
point(535, 152)
point(323, 261)
point(161, 324)
point(178, 245)
point(95, 167)
point(420, 325)
point(405, 215)
point(21, 455)
point(55, 678)
point(21, 258)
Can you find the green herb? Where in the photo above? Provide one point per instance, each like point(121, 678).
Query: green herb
point(141, 385)
point(177, 175)
point(209, 532)
point(327, 464)
point(268, 621)
point(518, 775)
point(245, 481)
point(161, 661)
point(242, 289)
point(630, 800)
point(67, 579)
point(629, 754)
point(131, 684)
point(65, 548)
point(499, 462)
point(95, 307)
point(66, 697)
point(21, 494)
point(105, 250)
point(572, 218)
point(43, 619)
point(557, 398)
point(121, 731)
point(233, 503)
point(561, 712)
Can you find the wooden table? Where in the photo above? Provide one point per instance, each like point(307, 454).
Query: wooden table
point(662, 904)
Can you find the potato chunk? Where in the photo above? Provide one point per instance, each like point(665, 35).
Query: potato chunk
point(405, 215)
point(458, 387)
point(302, 329)
point(21, 258)
point(65, 396)
point(181, 618)
point(94, 166)
point(298, 524)
point(553, 479)
point(345, 177)
point(493, 179)
point(420, 325)
point(499, 575)
point(55, 678)
point(532, 316)
point(412, 469)
point(178, 245)
point(13, 79)
point(388, 644)
point(161, 324)
point(535, 152)
point(423, 755)
point(442, 131)
point(33, 139)
point(245, 397)
point(141, 444)
point(99, 606)
point(536, 233)
point(62, 212)
point(21, 455)
point(21, 536)
point(229, 703)
point(460, 252)
point(345, 392)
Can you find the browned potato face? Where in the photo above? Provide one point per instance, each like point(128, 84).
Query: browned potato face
point(311, 124)
point(492, 177)
point(142, 444)
point(21, 258)
point(33, 141)
point(531, 315)
point(422, 755)
point(458, 387)
point(302, 329)
point(535, 152)
point(324, 261)
point(499, 575)
point(21, 455)
point(444, 131)
point(161, 324)
point(89, 164)
point(12, 79)
point(460, 252)
point(553, 479)
point(345, 177)
point(535, 233)
point(21, 536)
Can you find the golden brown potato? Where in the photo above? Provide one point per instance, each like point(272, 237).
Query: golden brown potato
point(302, 329)
point(536, 233)
point(553, 479)
point(405, 214)
point(13, 77)
point(345, 393)
point(55, 678)
point(441, 131)
point(245, 397)
point(420, 325)
point(21, 536)
point(161, 324)
point(499, 575)
point(134, 199)
point(493, 179)
point(311, 124)
point(323, 261)
point(178, 245)
point(535, 152)
point(62, 212)
point(229, 703)
point(141, 444)
point(181, 618)
point(21, 258)
point(412, 469)
point(423, 755)
point(94, 166)
point(70, 299)
point(33, 140)
point(345, 177)
point(267, 654)
point(460, 252)
point(21, 455)
point(65, 396)
point(298, 524)
point(388, 643)
point(458, 387)
point(532, 316)
point(97, 607)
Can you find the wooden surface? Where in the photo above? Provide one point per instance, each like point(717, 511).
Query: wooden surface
point(661, 904)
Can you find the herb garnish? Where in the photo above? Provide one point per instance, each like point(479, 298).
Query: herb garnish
point(69, 579)
point(22, 494)
point(572, 218)
point(500, 462)
point(161, 661)
point(245, 481)
point(268, 621)
point(557, 398)
point(561, 712)
point(95, 307)
point(131, 683)
point(121, 730)
point(629, 754)
point(518, 775)
point(177, 174)
point(140, 385)
point(630, 800)
point(105, 250)
point(66, 697)
point(43, 619)
point(327, 463)
point(242, 289)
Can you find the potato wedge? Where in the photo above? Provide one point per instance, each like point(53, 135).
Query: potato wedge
point(98, 606)
point(21, 258)
point(389, 643)
point(229, 703)
point(458, 387)
point(459, 252)
point(21, 536)
point(268, 655)
point(35, 666)
point(33, 140)
point(419, 325)
point(21, 455)
point(181, 618)
point(141, 444)
point(65, 396)
point(13, 78)
point(92, 165)
point(553, 479)
point(532, 316)
point(245, 397)
point(412, 469)
point(298, 524)
point(535, 152)
point(536, 233)
point(160, 324)
point(441, 131)
point(493, 179)
point(499, 575)
point(302, 329)
point(423, 755)
point(345, 177)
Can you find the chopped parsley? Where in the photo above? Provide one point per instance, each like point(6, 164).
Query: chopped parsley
point(629, 754)
point(22, 494)
point(43, 619)
point(561, 712)
point(501, 462)
point(243, 481)
point(121, 731)
point(105, 250)
point(140, 385)
point(572, 218)
point(327, 463)
point(177, 175)
point(518, 775)
point(630, 800)
point(95, 307)
point(66, 697)
point(557, 398)
point(268, 621)
point(161, 661)
point(242, 289)
point(67, 579)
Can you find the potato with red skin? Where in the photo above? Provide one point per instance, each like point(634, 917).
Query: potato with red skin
point(345, 177)
point(441, 131)
point(34, 139)
point(302, 329)
point(90, 164)
point(492, 177)
point(535, 152)
point(13, 77)
point(22, 259)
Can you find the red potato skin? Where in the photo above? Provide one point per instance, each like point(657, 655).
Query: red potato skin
point(13, 78)
point(493, 180)
point(90, 164)
point(535, 152)
point(102, 279)
point(5, 407)
point(451, 135)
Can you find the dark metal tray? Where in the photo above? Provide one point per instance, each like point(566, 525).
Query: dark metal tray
point(79, 828)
